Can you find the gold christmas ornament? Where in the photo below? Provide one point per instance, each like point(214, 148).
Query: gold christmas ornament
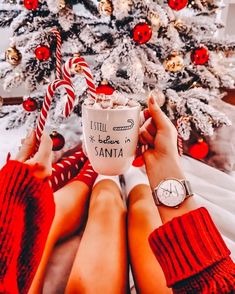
point(174, 62)
point(229, 53)
point(155, 20)
point(105, 7)
point(104, 82)
point(13, 55)
point(205, 3)
point(159, 96)
point(62, 4)
point(76, 69)
point(180, 26)
point(195, 85)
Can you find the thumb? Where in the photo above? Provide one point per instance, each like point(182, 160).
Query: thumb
point(27, 148)
point(43, 158)
point(45, 148)
point(161, 121)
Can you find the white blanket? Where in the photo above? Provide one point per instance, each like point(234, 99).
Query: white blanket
point(214, 190)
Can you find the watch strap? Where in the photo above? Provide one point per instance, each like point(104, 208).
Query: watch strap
point(155, 197)
point(188, 188)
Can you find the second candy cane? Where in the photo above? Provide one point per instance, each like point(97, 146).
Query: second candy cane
point(52, 87)
point(80, 61)
point(58, 52)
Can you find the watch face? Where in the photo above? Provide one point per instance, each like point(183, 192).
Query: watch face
point(171, 192)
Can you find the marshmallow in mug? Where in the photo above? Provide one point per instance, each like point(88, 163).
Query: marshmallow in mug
point(114, 101)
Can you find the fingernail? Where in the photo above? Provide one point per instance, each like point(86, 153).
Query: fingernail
point(158, 96)
point(153, 97)
point(152, 100)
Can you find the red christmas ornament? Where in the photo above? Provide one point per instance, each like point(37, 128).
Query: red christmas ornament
point(31, 4)
point(142, 33)
point(57, 140)
point(138, 161)
point(199, 150)
point(200, 56)
point(105, 89)
point(42, 52)
point(30, 104)
point(177, 4)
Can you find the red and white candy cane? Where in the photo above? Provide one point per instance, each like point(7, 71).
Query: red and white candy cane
point(52, 87)
point(80, 61)
point(179, 138)
point(58, 52)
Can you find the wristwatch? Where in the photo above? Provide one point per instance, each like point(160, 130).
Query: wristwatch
point(172, 192)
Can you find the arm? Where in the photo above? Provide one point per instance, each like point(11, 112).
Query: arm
point(26, 213)
point(162, 160)
point(193, 255)
point(188, 246)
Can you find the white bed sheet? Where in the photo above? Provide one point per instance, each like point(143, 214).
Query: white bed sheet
point(214, 190)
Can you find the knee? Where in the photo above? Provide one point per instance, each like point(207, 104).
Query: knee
point(140, 201)
point(139, 194)
point(106, 199)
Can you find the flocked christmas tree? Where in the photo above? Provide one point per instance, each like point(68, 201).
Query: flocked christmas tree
point(134, 45)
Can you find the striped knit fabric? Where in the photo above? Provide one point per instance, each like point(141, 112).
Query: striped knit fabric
point(66, 169)
point(193, 255)
point(87, 175)
point(26, 213)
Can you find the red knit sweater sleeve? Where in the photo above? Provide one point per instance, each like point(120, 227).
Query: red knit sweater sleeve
point(193, 255)
point(26, 213)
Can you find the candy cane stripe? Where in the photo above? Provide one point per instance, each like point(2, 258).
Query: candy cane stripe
point(52, 87)
point(66, 83)
point(58, 52)
point(179, 138)
point(86, 71)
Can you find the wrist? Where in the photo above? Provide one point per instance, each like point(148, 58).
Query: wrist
point(160, 168)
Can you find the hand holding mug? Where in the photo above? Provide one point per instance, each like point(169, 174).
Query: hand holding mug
point(162, 159)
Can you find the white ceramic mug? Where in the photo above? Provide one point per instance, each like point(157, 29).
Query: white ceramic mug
point(110, 137)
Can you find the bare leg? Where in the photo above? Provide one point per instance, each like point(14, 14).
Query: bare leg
point(71, 209)
point(101, 262)
point(143, 218)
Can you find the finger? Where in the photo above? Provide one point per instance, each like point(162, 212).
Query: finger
point(146, 139)
point(150, 127)
point(160, 119)
point(27, 148)
point(145, 135)
point(144, 115)
point(45, 149)
point(142, 140)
